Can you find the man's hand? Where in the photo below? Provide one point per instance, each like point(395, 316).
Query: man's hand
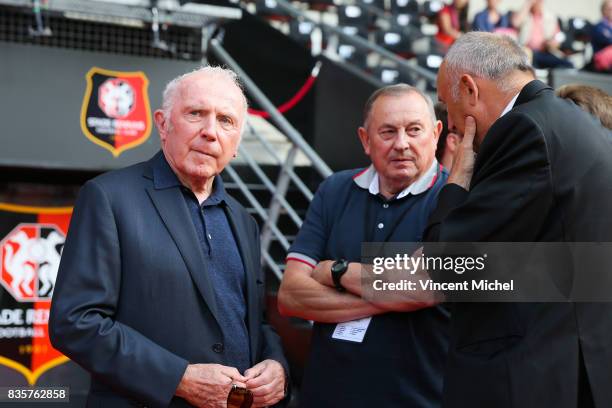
point(266, 380)
point(208, 385)
point(463, 163)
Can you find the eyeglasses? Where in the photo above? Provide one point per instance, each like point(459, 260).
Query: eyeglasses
point(239, 397)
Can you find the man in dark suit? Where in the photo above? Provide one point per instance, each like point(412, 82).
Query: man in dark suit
point(531, 168)
point(160, 292)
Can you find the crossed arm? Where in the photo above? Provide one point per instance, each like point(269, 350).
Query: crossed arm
point(301, 295)
point(310, 294)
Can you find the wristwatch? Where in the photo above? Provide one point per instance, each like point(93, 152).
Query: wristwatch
point(338, 269)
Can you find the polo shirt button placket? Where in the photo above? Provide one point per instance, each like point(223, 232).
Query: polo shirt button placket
point(381, 225)
point(385, 205)
point(218, 348)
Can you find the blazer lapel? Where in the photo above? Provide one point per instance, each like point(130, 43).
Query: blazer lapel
point(242, 240)
point(530, 91)
point(173, 211)
point(492, 139)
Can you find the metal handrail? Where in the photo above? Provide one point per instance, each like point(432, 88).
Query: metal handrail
point(290, 132)
point(282, 186)
point(270, 186)
point(273, 266)
point(294, 177)
point(359, 42)
point(253, 201)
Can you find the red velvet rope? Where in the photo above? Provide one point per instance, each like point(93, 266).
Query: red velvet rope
point(295, 99)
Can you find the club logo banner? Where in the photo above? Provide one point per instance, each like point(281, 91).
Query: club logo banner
point(116, 113)
point(31, 243)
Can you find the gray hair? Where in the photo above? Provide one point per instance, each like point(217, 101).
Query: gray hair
point(397, 90)
point(171, 90)
point(485, 55)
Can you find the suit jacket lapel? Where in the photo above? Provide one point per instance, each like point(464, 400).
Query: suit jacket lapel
point(172, 209)
point(491, 141)
point(241, 236)
point(530, 91)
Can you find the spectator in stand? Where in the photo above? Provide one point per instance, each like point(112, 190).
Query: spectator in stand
point(452, 22)
point(538, 30)
point(591, 99)
point(448, 141)
point(491, 19)
point(601, 39)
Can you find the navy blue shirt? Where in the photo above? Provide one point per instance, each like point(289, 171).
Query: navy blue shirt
point(401, 360)
point(601, 35)
point(482, 23)
point(223, 264)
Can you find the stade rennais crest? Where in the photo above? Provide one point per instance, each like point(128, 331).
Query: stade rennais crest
point(31, 242)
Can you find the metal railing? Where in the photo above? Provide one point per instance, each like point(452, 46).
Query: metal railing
point(136, 14)
point(278, 204)
point(360, 43)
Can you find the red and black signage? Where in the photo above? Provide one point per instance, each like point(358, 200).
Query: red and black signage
point(116, 113)
point(31, 242)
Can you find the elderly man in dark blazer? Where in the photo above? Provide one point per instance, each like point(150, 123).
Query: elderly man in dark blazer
point(531, 168)
point(160, 292)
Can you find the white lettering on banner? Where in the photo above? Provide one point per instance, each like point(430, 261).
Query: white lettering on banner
point(14, 317)
point(106, 126)
point(129, 124)
point(98, 122)
point(37, 316)
point(11, 317)
point(21, 332)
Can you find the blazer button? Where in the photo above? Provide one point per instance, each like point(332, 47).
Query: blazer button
point(218, 347)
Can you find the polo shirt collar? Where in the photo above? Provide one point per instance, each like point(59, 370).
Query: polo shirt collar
point(368, 180)
point(218, 193)
point(164, 177)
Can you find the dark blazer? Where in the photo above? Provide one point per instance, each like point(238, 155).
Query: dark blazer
point(133, 303)
point(543, 174)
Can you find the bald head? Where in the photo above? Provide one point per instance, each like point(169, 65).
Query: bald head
point(396, 90)
point(485, 55)
point(174, 87)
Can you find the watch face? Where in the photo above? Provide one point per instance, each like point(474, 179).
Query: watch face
point(339, 266)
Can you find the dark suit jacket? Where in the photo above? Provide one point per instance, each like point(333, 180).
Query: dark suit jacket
point(133, 303)
point(543, 173)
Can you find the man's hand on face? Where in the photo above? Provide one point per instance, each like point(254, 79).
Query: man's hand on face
point(266, 380)
point(208, 385)
point(463, 163)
